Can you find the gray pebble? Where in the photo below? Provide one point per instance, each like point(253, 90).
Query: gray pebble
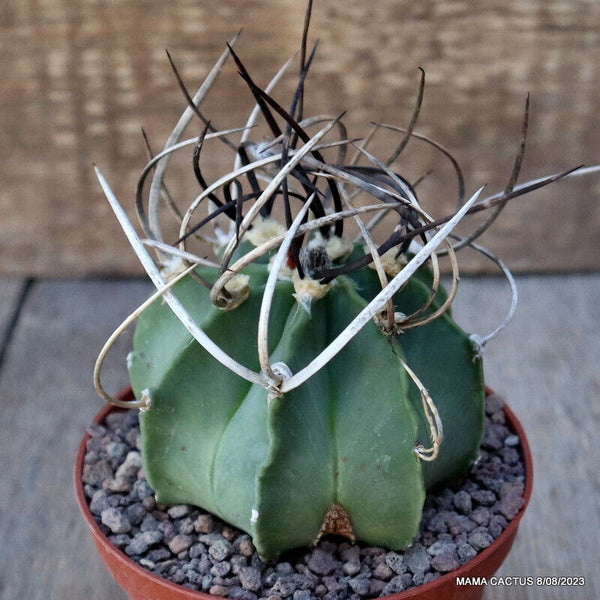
point(445, 562)
point(96, 431)
point(511, 440)
point(239, 593)
point(285, 586)
point(484, 497)
point(120, 540)
point(180, 543)
point(91, 457)
point(219, 590)
point(159, 555)
point(197, 550)
point(206, 582)
point(394, 586)
point(383, 572)
point(350, 553)
point(431, 576)
point(204, 524)
point(142, 542)
point(179, 511)
point(284, 568)
point(168, 530)
point(185, 526)
point(480, 515)
point(480, 539)
point(466, 552)
point(142, 488)
point(417, 559)
point(149, 503)
point(511, 498)
point(360, 585)
point(376, 587)
point(491, 439)
point(115, 419)
point(351, 568)
point(497, 525)
point(238, 562)
point(256, 562)
point(101, 501)
point(210, 538)
point(441, 547)
point(221, 568)
point(115, 520)
point(96, 473)
point(395, 562)
point(116, 449)
point(321, 562)
point(246, 547)
point(135, 513)
point(145, 562)
point(510, 456)
point(220, 550)
point(331, 583)
point(462, 502)
point(149, 523)
point(132, 464)
point(193, 576)
point(458, 524)
point(438, 524)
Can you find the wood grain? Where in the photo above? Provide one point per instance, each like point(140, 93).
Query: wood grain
point(80, 79)
point(545, 364)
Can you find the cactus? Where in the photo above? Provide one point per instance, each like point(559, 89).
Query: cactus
point(299, 383)
point(345, 438)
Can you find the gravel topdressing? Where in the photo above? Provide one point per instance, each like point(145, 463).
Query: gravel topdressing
point(191, 547)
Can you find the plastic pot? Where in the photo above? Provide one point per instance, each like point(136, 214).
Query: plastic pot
point(141, 584)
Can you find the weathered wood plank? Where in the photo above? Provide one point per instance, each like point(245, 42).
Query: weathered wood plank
point(81, 78)
point(46, 401)
point(545, 364)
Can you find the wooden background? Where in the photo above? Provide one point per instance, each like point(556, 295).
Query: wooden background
point(79, 78)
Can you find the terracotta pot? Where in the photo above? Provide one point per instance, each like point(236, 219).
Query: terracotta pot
point(141, 584)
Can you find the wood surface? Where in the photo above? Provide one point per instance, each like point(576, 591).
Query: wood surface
point(80, 78)
point(545, 365)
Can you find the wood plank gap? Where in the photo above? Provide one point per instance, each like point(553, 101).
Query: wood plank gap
point(13, 321)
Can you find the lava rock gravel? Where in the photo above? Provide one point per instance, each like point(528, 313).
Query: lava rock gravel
point(193, 548)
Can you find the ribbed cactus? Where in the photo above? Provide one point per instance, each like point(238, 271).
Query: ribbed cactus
point(342, 441)
point(303, 381)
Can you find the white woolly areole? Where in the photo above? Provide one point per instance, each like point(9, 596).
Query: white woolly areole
point(338, 247)
point(172, 266)
point(308, 290)
point(392, 265)
point(285, 272)
point(264, 230)
point(238, 289)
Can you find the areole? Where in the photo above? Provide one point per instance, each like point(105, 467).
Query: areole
point(141, 584)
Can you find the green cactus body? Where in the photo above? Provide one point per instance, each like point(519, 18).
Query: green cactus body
point(344, 439)
point(445, 360)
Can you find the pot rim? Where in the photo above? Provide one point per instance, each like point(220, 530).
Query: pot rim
point(121, 557)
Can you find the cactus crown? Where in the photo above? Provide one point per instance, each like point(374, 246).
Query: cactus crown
point(313, 372)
